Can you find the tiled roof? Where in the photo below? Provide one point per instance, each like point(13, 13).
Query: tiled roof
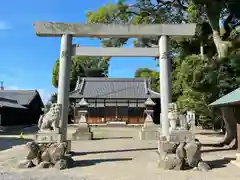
point(231, 98)
point(23, 97)
point(114, 88)
point(10, 103)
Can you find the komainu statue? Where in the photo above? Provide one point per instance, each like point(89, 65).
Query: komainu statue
point(50, 120)
point(172, 115)
point(191, 120)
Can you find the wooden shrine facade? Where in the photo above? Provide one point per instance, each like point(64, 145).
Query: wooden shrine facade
point(114, 100)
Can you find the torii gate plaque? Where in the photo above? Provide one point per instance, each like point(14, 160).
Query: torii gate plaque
point(68, 30)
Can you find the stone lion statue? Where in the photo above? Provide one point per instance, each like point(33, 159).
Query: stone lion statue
point(190, 119)
point(50, 120)
point(172, 107)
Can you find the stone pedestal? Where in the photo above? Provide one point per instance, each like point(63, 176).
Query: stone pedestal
point(180, 150)
point(82, 133)
point(149, 131)
point(46, 155)
point(48, 150)
point(48, 137)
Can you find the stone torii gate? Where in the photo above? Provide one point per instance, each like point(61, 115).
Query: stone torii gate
point(69, 30)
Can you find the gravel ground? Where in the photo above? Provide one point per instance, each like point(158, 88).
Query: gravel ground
point(18, 176)
point(118, 154)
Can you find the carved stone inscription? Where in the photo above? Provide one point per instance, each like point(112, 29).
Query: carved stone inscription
point(44, 138)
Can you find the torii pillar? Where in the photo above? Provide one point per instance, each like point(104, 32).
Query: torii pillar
point(165, 83)
point(64, 81)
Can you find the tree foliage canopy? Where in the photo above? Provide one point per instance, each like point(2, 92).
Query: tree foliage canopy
point(82, 66)
point(205, 66)
point(149, 73)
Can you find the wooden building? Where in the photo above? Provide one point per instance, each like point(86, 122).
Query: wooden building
point(115, 99)
point(20, 107)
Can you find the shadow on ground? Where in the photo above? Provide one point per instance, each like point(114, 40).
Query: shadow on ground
point(217, 149)
point(112, 138)
point(9, 142)
point(17, 130)
point(91, 162)
point(212, 133)
point(219, 163)
point(210, 145)
point(112, 151)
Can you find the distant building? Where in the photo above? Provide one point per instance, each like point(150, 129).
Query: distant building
point(115, 99)
point(20, 107)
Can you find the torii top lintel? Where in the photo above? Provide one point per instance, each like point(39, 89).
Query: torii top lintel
point(57, 29)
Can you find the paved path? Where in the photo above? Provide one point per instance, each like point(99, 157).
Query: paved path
point(117, 154)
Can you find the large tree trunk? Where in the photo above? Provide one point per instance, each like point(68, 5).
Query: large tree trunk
point(230, 125)
point(223, 48)
point(213, 10)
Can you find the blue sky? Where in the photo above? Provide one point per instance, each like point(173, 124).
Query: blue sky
point(27, 60)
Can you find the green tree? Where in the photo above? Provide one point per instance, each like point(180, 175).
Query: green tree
point(216, 45)
point(83, 66)
point(201, 81)
point(149, 73)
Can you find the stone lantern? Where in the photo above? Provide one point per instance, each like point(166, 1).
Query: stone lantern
point(82, 109)
point(149, 104)
point(83, 131)
point(149, 130)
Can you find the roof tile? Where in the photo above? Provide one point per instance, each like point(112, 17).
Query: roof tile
point(114, 88)
point(23, 97)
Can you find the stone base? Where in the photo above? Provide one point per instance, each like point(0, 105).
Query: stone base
point(48, 137)
point(46, 155)
point(52, 137)
point(179, 151)
point(181, 136)
point(149, 134)
point(82, 134)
